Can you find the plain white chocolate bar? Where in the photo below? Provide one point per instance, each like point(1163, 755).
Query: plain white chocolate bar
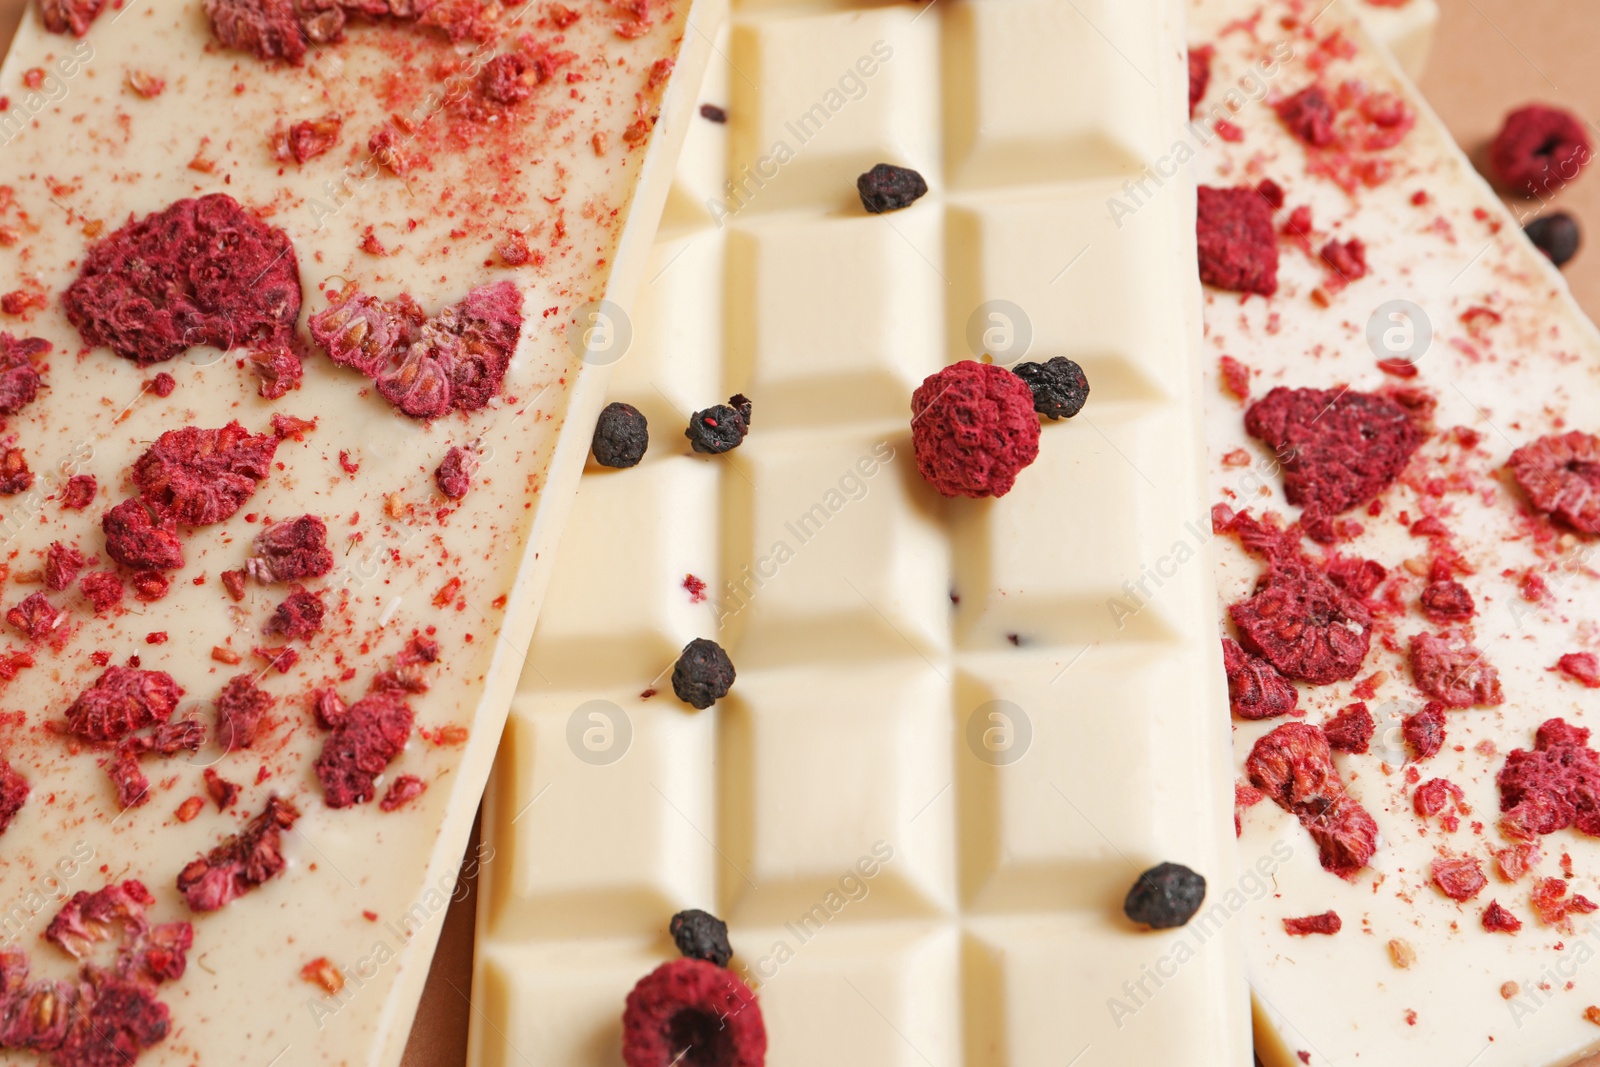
point(1404, 27)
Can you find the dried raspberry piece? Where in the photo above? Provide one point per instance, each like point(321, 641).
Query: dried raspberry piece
point(700, 935)
point(233, 581)
point(79, 491)
point(90, 918)
point(1347, 258)
point(1327, 923)
point(169, 738)
point(1303, 624)
point(1434, 795)
point(1255, 690)
point(204, 476)
point(241, 862)
point(241, 708)
point(1338, 449)
point(1497, 920)
point(402, 791)
point(280, 371)
point(365, 333)
point(61, 16)
point(1449, 669)
point(290, 551)
point(306, 140)
point(703, 674)
point(14, 473)
point(1539, 149)
point(973, 428)
point(1581, 667)
point(1294, 767)
point(62, 562)
point(142, 535)
point(1165, 897)
point(299, 616)
point(1309, 116)
point(509, 78)
point(887, 187)
point(620, 436)
point(35, 618)
point(120, 1020)
point(149, 585)
point(1235, 377)
point(453, 476)
point(270, 29)
point(14, 791)
point(1238, 248)
point(103, 589)
point(1199, 74)
point(19, 377)
point(201, 272)
point(1553, 786)
point(1553, 906)
point(1424, 730)
point(122, 700)
point(721, 427)
point(1458, 877)
point(365, 739)
point(1517, 860)
point(1059, 386)
point(1351, 729)
point(222, 791)
point(133, 788)
point(692, 1005)
point(1561, 476)
point(1447, 602)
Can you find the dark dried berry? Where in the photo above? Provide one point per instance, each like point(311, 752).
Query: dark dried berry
point(1165, 896)
point(713, 113)
point(703, 674)
point(1556, 235)
point(701, 936)
point(622, 435)
point(721, 428)
point(887, 187)
point(1059, 387)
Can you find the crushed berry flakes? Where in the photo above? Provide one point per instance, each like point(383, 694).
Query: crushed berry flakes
point(204, 476)
point(1235, 377)
point(133, 788)
point(241, 709)
point(1539, 149)
point(453, 476)
point(690, 1004)
point(1059, 386)
point(1351, 729)
point(142, 535)
point(700, 935)
point(1327, 923)
point(1581, 667)
point(1309, 115)
point(1237, 246)
point(1293, 766)
point(1556, 235)
point(703, 674)
point(1553, 906)
point(402, 791)
point(1498, 920)
point(150, 585)
point(35, 617)
point(1255, 689)
point(19, 373)
point(1424, 730)
point(1348, 259)
point(120, 701)
point(233, 583)
point(14, 790)
point(887, 187)
point(365, 738)
point(973, 429)
point(1561, 476)
point(721, 427)
point(1458, 877)
point(289, 551)
point(103, 589)
point(241, 862)
point(1449, 669)
point(279, 370)
point(1447, 602)
point(1553, 786)
point(1165, 897)
point(299, 616)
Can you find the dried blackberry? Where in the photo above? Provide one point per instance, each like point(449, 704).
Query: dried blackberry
point(703, 674)
point(720, 428)
point(1059, 388)
point(1556, 235)
point(621, 436)
point(700, 935)
point(713, 113)
point(1165, 896)
point(887, 187)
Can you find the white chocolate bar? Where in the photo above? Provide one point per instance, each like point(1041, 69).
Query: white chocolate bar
point(579, 170)
point(896, 898)
point(1413, 977)
point(1406, 29)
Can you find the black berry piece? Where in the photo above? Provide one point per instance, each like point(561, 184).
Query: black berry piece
point(1059, 388)
point(720, 428)
point(621, 436)
point(701, 936)
point(713, 113)
point(1165, 896)
point(703, 674)
point(887, 187)
point(1556, 235)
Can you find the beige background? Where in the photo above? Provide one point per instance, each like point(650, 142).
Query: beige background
point(1490, 56)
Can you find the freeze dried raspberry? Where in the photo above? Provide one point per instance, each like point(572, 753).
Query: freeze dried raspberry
point(14, 473)
point(1561, 475)
point(79, 492)
point(1449, 669)
point(1339, 448)
point(291, 550)
point(1446, 602)
point(1294, 767)
point(1237, 245)
point(114, 1025)
point(620, 436)
point(306, 140)
point(61, 16)
point(270, 29)
point(204, 476)
point(1199, 74)
point(62, 562)
point(1553, 786)
point(1424, 730)
point(14, 791)
point(1539, 149)
point(103, 589)
point(1255, 690)
point(149, 585)
point(223, 792)
point(973, 428)
point(453, 476)
point(402, 791)
point(1327, 923)
point(1552, 905)
point(887, 187)
point(721, 427)
point(1497, 920)
point(1165, 897)
point(1517, 860)
point(117, 909)
point(691, 1011)
point(1581, 667)
point(1303, 624)
point(1458, 877)
point(299, 616)
point(509, 78)
point(1434, 795)
point(133, 788)
point(364, 741)
point(35, 617)
point(1059, 387)
point(703, 674)
point(201, 272)
point(1235, 377)
point(241, 708)
point(168, 738)
point(700, 935)
point(1347, 258)
point(19, 377)
point(142, 535)
point(122, 700)
point(280, 371)
point(1351, 729)
point(241, 862)
point(1309, 116)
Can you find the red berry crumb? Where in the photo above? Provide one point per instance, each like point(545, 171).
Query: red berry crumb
point(1424, 730)
point(79, 492)
point(1539, 149)
point(204, 476)
point(402, 791)
point(290, 551)
point(973, 428)
point(306, 140)
point(299, 616)
point(1458, 877)
point(1255, 689)
point(1552, 786)
point(1304, 624)
point(35, 617)
point(1351, 729)
point(692, 1004)
point(241, 708)
point(1347, 258)
point(696, 588)
point(14, 791)
point(1497, 920)
point(1561, 476)
point(1434, 796)
point(1293, 765)
point(1447, 602)
point(103, 589)
point(454, 473)
point(1450, 670)
point(1309, 116)
point(1326, 923)
point(241, 862)
point(365, 739)
point(142, 535)
point(19, 375)
point(1235, 377)
point(1581, 667)
point(1553, 906)
point(1199, 74)
point(1237, 246)
point(223, 792)
point(74, 16)
point(120, 701)
point(62, 562)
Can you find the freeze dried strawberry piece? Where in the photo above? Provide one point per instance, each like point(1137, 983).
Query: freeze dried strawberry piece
point(1581, 667)
point(14, 473)
point(1552, 786)
point(79, 491)
point(169, 738)
point(103, 589)
point(692, 1011)
point(88, 918)
point(133, 788)
point(241, 862)
point(291, 550)
point(1199, 74)
point(402, 791)
point(201, 272)
point(1497, 920)
point(1561, 476)
point(19, 377)
point(142, 535)
point(1339, 448)
point(1303, 624)
point(1539, 149)
point(1424, 730)
point(1553, 906)
point(233, 582)
point(1356, 576)
point(119, 1021)
point(1448, 668)
point(454, 473)
point(1447, 602)
point(223, 792)
point(1238, 247)
point(241, 707)
point(1351, 729)
point(62, 562)
point(63, 16)
point(35, 617)
point(1458, 877)
point(1309, 116)
point(305, 141)
point(1434, 796)
point(122, 700)
point(204, 476)
point(269, 29)
point(280, 371)
point(1294, 767)
point(1348, 259)
point(14, 791)
point(1517, 860)
point(300, 615)
point(1327, 923)
point(1255, 690)
point(1235, 377)
point(368, 736)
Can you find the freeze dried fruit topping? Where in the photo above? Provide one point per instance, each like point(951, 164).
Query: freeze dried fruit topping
point(286, 29)
point(14, 791)
point(721, 427)
point(1446, 602)
point(1255, 689)
point(1347, 259)
point(1449, 669)
point(306, 140)
point(1553, 906)
point(1303, 624)
point(1424, 730)
point(703, 674)
point(201, 272)
point(1581, 667)
point(1498, 920)
point(19, 374)
point(1309, 115)
point(1326, 923)
point(402, 791)
point(1458, 877)
point(1539, 149)
point(887, 187)
point(241, 708)
point(279, 371)
point(241, 862)
point(290, 551)
point(14, 473)
point(62, 562)
point(692, 1012)
point(1351, 729)
point(1238, 246)
point(973, 429)
point(453, 476)
point(700, 935)
point(142, 535)
point(204, 476)
point(366, 737)
point(1553, 786)
point(133, 788)
point(34, 618)
point(620, 436)
point(1338, 448)
point(1199, 74)
point(74, 16)
point(1294, 767)
point(89, 918)
point(1164, 897)
point(103, 589)
point(79, 491)
point(299, 616)
point(1561, 476)
point(1059, 386)
point(122, 700)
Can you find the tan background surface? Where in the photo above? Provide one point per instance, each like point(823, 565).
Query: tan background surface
point(1490, 56)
